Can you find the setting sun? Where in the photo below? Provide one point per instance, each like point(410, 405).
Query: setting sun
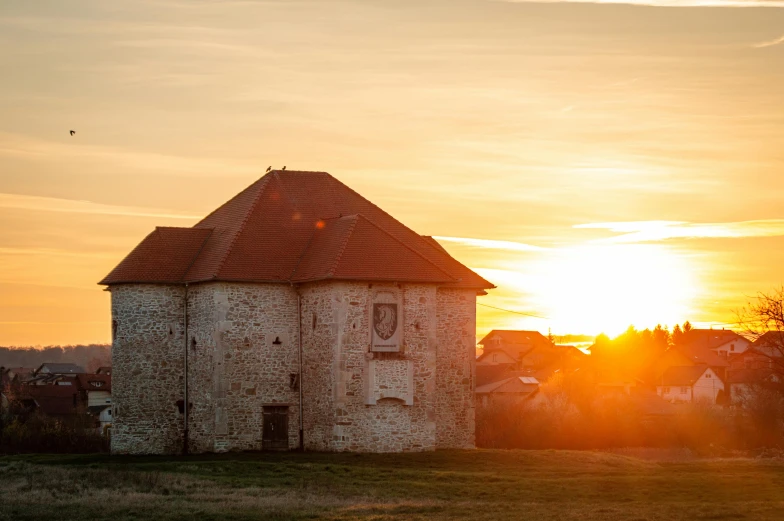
point(609, 287)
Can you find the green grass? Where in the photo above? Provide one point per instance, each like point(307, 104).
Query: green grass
point(482, 485)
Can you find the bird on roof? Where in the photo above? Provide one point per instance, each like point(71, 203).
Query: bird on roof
point(269, 168)
point(72, 132)
point(284, 167)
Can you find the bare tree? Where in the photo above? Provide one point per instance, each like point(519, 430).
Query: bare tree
point(762, 320)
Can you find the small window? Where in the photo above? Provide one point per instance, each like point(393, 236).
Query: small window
point(732, 347)
point(114, 330)
point(684, 390)
point(665, 390)
point(707, 375)
point(495, 357)
point(277, 341)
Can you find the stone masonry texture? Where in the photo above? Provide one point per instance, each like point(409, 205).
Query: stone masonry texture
point(243, 355)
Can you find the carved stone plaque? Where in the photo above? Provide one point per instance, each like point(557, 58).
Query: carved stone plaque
point(386, 323)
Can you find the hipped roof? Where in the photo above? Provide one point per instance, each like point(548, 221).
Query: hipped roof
point(293, 227)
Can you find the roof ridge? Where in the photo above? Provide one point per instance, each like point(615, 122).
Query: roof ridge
point(409, 230)
point(257, 181)
point(449, 276)
point(241, 227)
point(302, 254)
point(195, 257)
point(354, 218)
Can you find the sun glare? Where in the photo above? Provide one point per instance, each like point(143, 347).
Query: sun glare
point(605, 288)
point(598, 288)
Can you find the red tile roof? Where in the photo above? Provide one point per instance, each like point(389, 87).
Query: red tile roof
point(515, 337)
point(94, 382)
point(293, 227)
point(710, 338)
point(52, 400)
point(164, 256)
point(701, 355)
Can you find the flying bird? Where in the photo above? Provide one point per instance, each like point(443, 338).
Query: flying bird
point(72, 132)
point(269, 168)
point(284, 167)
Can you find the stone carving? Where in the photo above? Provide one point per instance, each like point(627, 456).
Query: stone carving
point(385, 320)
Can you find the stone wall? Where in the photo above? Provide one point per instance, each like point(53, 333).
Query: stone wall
point(243, 352)
point(336, 340)
point(455, 380)
point(147, 368)
point(244, 356)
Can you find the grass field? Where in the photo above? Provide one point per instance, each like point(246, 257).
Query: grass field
point(482, 484)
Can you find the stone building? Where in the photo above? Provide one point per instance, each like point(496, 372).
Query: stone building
point(296, 315)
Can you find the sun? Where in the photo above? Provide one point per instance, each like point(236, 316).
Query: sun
point(606, 288)
point(593, 288)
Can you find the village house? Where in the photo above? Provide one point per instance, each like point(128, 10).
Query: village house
point(501, 346)
point(507, 391)
point(298, 314)
point(60, 369)
point(723, 342)
point(771, 344)
point(60, 393)
point(691, 355)
point(690, 384)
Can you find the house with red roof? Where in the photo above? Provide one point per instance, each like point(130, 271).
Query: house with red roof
point(690, 384)
point(297, 315)
point(723, 342)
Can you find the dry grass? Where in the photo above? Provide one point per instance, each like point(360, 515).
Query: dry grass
point(482, 485)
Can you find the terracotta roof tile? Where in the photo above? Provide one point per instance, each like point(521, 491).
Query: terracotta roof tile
point(164, 256)
point(276, 231)
point(353, 248)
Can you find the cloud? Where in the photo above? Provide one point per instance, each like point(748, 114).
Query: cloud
point(769, 43)
point(648, 231)
point(28, 148)
point(491, 244)
point(666, 3)
point(51, 252)
point(52, 204)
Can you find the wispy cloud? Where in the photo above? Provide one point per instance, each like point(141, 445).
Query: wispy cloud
point(647, 231)
point(53, 204)
point(52, 252)
point(769, 43)
point(666, 3)
point(491, 244)
point(30, 148)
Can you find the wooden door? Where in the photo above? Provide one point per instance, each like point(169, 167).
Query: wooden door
point(275, 430)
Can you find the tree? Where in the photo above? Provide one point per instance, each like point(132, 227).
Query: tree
point(677, 334)
point(762, 320)
point(661, 338)
point(686, 326)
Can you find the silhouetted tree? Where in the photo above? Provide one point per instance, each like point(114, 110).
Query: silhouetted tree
point(677, 334)
point(762, 319)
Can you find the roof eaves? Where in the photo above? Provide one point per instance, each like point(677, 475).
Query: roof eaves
point(441, 250)
point(450, 278)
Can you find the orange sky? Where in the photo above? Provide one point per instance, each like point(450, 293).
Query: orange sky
point(602, 164)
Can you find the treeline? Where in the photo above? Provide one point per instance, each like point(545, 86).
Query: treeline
point(90, 357)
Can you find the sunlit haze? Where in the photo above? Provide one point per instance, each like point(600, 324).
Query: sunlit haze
point(603, 164)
